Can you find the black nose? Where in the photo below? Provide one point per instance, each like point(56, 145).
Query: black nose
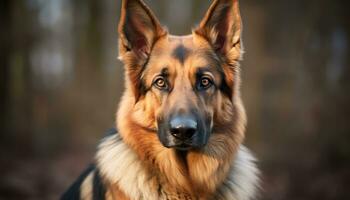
point(183, 128)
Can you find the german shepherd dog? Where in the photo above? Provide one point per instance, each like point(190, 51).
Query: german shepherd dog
point(181, 121)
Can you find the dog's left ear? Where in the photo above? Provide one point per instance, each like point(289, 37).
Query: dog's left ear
point(221, 26)
point(138, 29)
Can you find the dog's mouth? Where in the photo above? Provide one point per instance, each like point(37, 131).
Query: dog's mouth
point(182, 146)
point(195, 142)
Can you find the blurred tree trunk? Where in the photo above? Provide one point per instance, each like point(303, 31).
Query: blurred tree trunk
point(5, 49)
point(16, 85)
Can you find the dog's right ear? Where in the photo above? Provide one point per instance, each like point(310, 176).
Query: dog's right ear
point(138, 29)
point(222, 27)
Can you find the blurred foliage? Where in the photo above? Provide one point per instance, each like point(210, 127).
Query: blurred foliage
point(60, 83)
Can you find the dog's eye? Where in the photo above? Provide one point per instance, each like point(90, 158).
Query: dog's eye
point(205, 83)
point(160, 83)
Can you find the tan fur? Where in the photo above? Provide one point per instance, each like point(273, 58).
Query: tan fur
point(206, 173)
point(114, 192)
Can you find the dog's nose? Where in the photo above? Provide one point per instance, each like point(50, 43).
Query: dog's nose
point(183, 128)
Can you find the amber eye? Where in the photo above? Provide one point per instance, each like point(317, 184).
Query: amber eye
point(160, 83)
point(205, 83)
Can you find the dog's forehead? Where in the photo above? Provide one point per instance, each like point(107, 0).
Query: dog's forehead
point(180, 49)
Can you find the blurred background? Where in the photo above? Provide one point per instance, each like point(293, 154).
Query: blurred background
point(60, 83)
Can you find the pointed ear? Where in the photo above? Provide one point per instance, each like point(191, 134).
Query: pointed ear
point(221, 26)
point(138, 29)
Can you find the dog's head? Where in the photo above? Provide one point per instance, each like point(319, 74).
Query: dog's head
point(182, 87)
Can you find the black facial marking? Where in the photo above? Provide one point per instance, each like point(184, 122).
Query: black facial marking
point(181, 53)
point(142, 87)
point(225, 88)
point(165, 72)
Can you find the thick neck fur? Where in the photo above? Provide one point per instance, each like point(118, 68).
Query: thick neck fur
point(121, 168)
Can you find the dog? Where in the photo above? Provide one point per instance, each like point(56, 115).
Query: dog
point(181, 121)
